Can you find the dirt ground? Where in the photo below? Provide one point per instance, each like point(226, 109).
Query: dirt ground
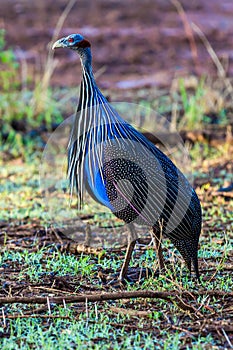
point(136, 44)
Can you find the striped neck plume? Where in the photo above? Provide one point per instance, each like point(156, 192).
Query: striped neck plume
point(90, 127)
point(97, 131)
point(90, 94)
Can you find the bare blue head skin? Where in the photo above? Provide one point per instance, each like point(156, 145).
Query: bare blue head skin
point(78, 43)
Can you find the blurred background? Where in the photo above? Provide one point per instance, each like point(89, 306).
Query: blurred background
point(154, 52)
point(136, 44)
point(174, 56)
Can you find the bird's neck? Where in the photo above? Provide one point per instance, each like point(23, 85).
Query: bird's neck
point(89, 87)
point(86, 62)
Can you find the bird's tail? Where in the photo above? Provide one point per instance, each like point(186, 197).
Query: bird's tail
point(188, 250)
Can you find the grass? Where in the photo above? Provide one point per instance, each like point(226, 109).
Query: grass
point(96, 332)
point(39, 258)
point(98, 325)
point(26, 107)
point(34, 263)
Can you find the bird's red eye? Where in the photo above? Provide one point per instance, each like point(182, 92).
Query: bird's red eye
point(70, 40)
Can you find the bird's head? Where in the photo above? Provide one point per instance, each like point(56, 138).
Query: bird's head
point(72, 41)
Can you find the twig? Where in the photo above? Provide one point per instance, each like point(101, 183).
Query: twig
point(223, 258)
point(80, 298)
point(139, 313)
point(125, 326)
point(227, 338)
point(48, 303)
point(174, 297)
point(180, 329)
point(188, 31)
point(52, 290)
point(49, 63)
point(4, 318)
point(214, 57)
point(213, 293)
point(186, 307)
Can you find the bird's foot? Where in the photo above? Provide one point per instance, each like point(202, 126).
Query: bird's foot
point(134, 275)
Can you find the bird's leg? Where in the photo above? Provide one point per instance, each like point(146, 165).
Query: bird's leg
point(132, 239)
point(158, 238)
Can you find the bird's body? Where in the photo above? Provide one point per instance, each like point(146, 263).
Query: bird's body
point(124, 171)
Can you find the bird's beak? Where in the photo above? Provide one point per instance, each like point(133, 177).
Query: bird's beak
point(58, 43)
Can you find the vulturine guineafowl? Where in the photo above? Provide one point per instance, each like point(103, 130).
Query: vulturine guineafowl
point(125, 172)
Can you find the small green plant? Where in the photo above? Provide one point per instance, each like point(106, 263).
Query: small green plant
point(22, 110)
point(192, 105)
point(199, 103)
point(8, 75)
